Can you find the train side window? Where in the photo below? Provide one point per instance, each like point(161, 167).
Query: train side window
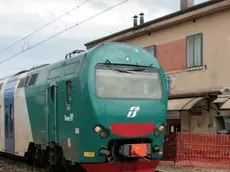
point(26, 82)
point(33, 79)
point(68, 92)
point(6, 120)
point(52, 96)
point(6, 123)
point(11, 118)
point(22, 82)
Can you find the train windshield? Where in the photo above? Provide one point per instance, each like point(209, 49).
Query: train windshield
point(128, 82)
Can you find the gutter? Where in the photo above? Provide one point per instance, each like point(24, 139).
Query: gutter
point(216, 91)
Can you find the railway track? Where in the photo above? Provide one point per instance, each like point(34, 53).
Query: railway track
point(12, 165)
point(8, 164)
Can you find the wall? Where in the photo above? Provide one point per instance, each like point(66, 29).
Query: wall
point(216, 50)
point(201, 124)
point(169, 57)
point(185, 121)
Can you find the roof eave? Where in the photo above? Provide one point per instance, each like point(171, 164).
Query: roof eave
point(224, 4)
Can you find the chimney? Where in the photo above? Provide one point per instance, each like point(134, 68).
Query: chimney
point(141, 18)
point(135, 20)
point(184, 4)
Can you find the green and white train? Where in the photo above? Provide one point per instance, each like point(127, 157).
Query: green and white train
point(103, 110)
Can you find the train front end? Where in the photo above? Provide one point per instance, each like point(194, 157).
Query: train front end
point(128, 93)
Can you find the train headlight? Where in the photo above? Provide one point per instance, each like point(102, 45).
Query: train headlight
point(161, 128)
point(97, 129)
point(101, 131)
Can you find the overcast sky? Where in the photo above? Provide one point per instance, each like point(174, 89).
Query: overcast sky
point(19, 18)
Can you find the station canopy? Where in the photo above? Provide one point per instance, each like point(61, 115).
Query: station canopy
point(183, 103)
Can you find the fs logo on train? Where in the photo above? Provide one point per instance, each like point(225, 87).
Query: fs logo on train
point(133, 111)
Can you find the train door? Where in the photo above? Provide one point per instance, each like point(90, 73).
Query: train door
point(51, 118)
point(9, 126)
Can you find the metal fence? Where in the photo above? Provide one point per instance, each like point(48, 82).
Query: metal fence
point(202, 150)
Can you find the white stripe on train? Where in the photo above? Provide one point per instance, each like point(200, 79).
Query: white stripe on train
point(23, 132)
point(2, 117)
point(22, 128)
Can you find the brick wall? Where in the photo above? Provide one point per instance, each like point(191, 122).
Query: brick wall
point(172, 55)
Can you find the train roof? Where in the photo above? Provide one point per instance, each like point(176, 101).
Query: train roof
point(23, 71)
point(43, 65)
point(72, 55)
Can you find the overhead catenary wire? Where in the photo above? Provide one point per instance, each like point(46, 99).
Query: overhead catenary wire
point(71, 27)
point(32, 33)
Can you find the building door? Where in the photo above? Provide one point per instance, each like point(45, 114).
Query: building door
point(174, 128)
point(169, 149)
point(9, 126)
point(173, 125)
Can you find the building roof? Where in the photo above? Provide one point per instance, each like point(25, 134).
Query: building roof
point(166, 17)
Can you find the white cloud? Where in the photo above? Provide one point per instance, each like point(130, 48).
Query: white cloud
point(22, 17)
point(26, 16)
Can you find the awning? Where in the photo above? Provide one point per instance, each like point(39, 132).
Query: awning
point(223, 101)
point(183, 104)
point(226, 105)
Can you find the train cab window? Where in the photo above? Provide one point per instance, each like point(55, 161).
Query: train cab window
point(135, 83)
point(33, 79)
point(68, 92)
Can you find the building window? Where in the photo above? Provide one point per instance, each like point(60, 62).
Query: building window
point(151, 49)
point(69, 92)
point(194, 50)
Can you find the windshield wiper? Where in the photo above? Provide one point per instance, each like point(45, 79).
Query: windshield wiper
point(137, 69)
point(109, 64)
point(141, 68)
